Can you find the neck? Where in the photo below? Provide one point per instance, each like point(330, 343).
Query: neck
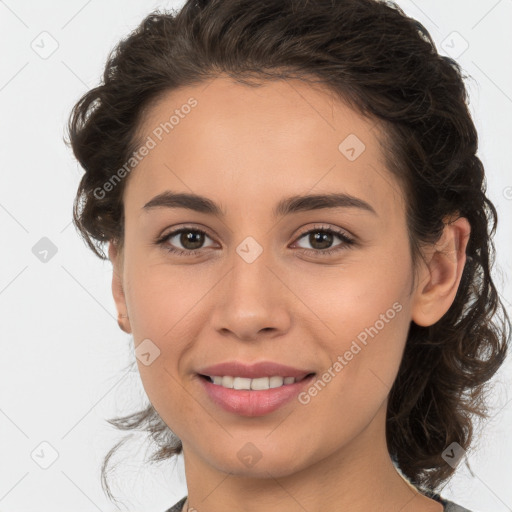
point(358, 477)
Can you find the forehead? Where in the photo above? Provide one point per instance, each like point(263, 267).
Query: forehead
point(280, 138)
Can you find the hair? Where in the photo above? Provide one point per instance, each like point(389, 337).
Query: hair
point(385, 66)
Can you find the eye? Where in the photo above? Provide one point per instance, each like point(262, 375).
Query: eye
point(322, 237)
point(191, 239)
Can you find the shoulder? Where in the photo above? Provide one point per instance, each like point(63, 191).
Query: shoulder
point(178, 506)
point(450, 506)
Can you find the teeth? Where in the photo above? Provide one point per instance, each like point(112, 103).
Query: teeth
point(260, 383)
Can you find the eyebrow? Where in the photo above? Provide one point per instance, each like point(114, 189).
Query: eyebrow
point(286, 206)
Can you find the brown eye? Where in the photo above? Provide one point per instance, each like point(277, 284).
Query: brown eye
point(321, 240)
point(190, 239)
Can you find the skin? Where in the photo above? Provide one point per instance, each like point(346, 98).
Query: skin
point(246, 149)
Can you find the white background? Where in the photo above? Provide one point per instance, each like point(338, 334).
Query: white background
point(63, 358)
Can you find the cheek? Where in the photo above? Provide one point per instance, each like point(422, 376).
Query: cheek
point(365, 355)
point(162, 297)
point(364, 313)
point(161, 305)
point(366, 295)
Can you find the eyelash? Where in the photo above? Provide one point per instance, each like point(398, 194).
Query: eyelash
point(348, 242)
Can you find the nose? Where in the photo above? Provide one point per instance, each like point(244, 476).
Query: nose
point(253, 301)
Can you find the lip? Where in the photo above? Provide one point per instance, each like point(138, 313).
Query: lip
point(252, 403)
point(254, 370)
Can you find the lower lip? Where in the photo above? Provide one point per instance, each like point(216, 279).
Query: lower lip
point(253, 403)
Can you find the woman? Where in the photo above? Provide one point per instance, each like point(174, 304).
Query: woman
point(301, 249)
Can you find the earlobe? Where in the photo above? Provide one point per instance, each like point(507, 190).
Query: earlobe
point(441, 273)
point(116, 258)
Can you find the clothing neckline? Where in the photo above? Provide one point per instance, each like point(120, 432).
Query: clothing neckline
point(435, 496)
point(430, 494)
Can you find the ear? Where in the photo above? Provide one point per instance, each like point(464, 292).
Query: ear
point(116, 257)
point(441, 273)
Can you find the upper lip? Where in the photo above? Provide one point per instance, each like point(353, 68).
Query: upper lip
point(254, 370)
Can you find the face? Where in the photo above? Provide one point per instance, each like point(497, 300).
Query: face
point(324, 288)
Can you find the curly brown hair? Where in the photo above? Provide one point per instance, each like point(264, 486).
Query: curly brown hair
point(383, 64)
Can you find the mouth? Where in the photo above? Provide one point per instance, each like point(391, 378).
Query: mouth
point(254, 384)
point(253, 397)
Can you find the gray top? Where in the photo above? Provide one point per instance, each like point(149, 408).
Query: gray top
point(449, 506)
